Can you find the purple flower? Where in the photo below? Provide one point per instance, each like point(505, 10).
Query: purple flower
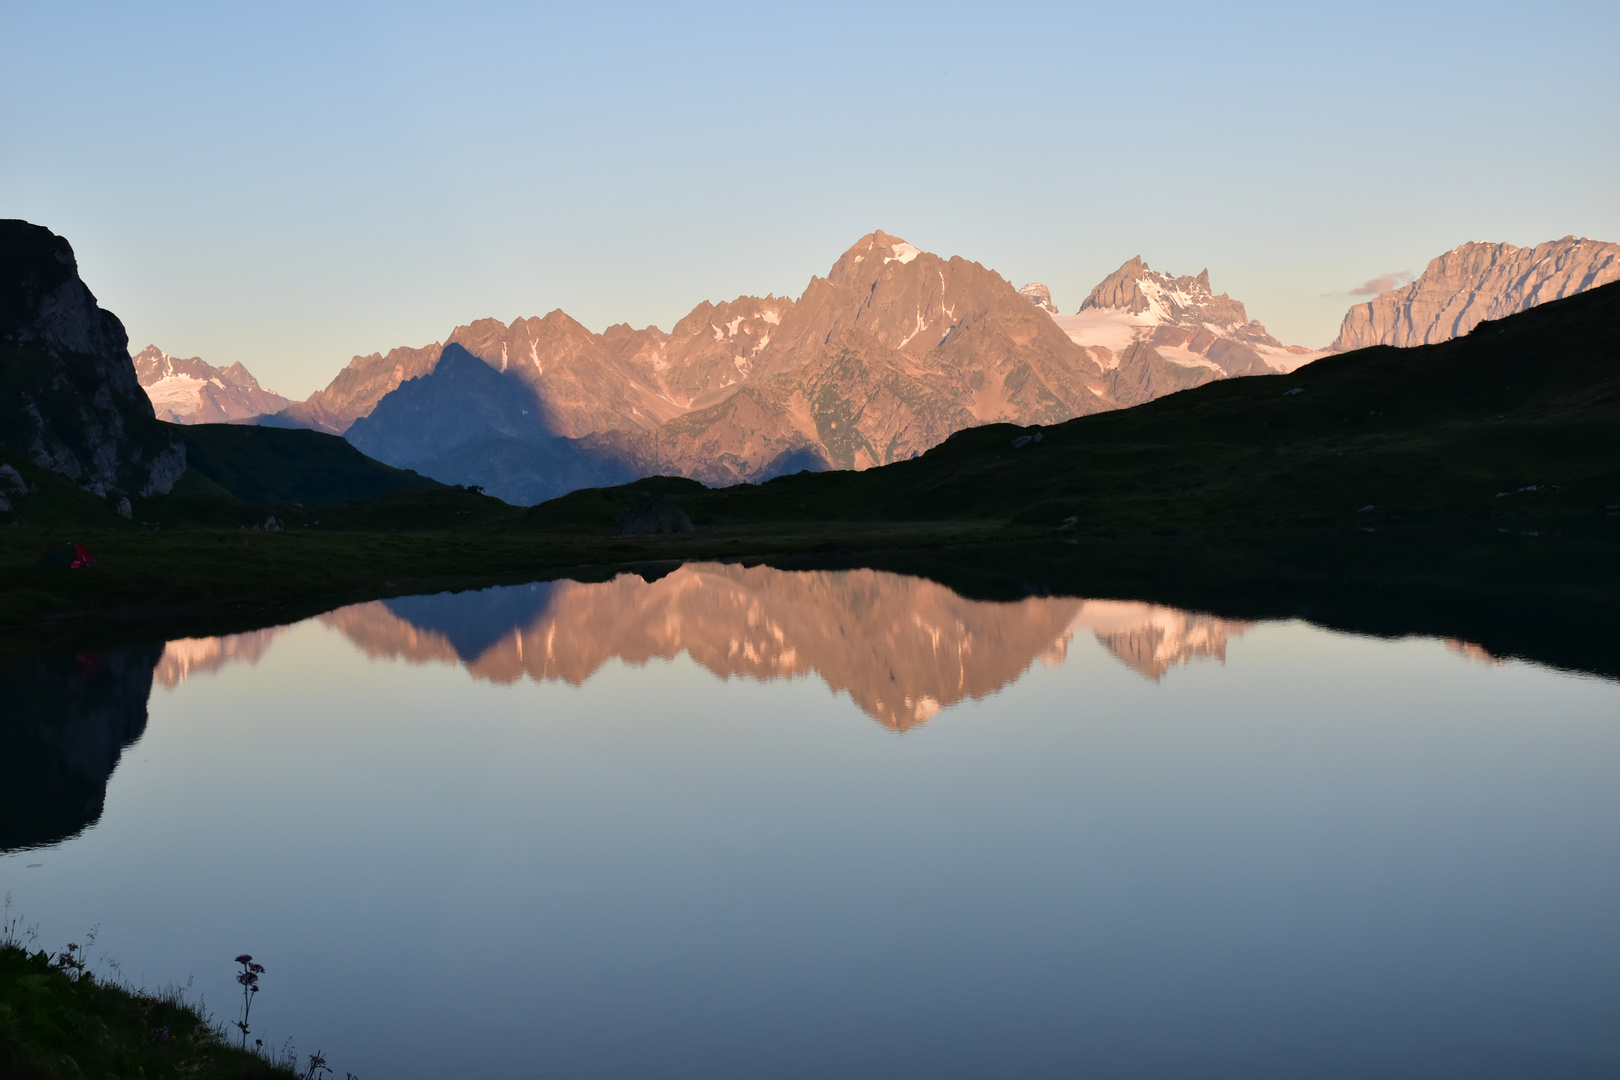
point(244, 959)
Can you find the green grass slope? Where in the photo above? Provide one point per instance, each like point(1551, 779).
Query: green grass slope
point(56, 1026)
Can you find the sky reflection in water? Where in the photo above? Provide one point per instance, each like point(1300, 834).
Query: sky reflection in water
point(623, 829)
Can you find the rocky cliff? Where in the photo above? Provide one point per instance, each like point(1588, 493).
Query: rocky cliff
point(192, 391)
point(1475, 282)
point(1154, 334)
point(69, 398)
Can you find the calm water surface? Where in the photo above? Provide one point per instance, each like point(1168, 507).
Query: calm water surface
point(748, 823)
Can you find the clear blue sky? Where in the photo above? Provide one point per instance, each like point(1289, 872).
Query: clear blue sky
point(288, 185)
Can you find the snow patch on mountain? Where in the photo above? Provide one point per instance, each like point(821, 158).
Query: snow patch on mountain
point(1182, 318)
point(190, 391)
point(903, 253)
point(1106, 327)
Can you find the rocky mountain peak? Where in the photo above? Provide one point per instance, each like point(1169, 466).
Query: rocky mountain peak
point(1039, 295)
point(864, 262)
point(191, 391)
point(69, 398)
point(1475, 282)
point(1183, 301)
point(46, 303)
point(1157, 333)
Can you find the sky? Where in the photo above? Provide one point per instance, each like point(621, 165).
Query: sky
point(291, 185)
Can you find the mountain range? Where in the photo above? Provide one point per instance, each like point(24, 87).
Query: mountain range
point(888, 355)
point(194, 392)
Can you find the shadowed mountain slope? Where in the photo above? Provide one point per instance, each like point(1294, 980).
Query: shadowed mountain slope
point(356, 390)
point(466, 422)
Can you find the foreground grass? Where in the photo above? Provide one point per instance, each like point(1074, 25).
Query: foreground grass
point(53, 1026)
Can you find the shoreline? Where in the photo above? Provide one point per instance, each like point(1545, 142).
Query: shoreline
point(1545, 599)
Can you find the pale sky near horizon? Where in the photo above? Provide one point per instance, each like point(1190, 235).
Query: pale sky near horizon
point(290, 185)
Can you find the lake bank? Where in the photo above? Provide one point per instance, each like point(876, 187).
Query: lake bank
point(1542, 597)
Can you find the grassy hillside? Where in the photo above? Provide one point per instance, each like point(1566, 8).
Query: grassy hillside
point(268, 466)
point(58, 1021)
point(237, 475)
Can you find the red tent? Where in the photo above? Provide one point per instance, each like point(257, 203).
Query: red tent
point(67, 557)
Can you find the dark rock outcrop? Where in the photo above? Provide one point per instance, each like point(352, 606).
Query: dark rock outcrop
point(69, 398)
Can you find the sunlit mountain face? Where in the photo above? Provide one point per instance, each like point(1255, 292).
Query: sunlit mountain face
point(902, 648)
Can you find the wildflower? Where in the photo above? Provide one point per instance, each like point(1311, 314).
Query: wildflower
point(248, 978)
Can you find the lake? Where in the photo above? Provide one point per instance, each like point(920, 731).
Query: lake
point(742, 822)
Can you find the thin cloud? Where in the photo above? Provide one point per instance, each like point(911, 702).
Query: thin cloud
point(1383, 283)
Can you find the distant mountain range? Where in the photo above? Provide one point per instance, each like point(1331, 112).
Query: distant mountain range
point(194, 392)
point(887, 356)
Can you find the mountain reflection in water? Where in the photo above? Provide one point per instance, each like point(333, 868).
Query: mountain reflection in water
point(903, 648)
point(66, 722)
